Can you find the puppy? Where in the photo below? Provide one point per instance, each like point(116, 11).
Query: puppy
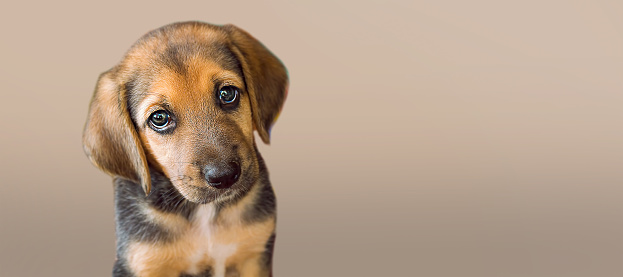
point(173, 124)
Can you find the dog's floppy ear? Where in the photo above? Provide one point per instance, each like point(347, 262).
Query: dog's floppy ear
point(110, 139)
point(265, 76)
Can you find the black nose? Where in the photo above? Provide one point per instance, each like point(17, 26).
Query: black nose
point(222, 175)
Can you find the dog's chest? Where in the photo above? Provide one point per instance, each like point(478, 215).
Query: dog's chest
point(213, 245)
point(221, 246)
point(224, 244)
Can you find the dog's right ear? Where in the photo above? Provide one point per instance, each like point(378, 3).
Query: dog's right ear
point(110, 139)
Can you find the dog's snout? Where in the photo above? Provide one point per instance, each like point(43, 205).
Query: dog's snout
point(222, 175)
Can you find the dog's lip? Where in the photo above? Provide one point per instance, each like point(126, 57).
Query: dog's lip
point(202, 193)
point(199, 194)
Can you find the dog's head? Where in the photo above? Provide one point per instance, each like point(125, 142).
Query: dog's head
point(184, 101)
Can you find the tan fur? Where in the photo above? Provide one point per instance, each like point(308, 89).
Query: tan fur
point(172, 259)
point(148, 259)
point(173, 223)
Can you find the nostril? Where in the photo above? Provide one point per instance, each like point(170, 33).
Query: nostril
point(222, 175)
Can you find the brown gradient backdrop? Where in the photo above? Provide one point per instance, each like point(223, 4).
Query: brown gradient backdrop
point(420, 138)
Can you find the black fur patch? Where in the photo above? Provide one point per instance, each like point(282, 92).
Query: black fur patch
point(130, 202)
point(132, 224)
point(264, 202)
point(165, 197)
point(174, 58)
point(120, 270)
point(268, 251)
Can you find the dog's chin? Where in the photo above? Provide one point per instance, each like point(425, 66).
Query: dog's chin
point(204, 194)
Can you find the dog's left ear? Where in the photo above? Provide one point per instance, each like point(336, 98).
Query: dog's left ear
point(265, 76)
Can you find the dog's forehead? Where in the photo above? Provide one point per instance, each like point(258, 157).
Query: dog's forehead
point(183, 56)
point(175, 46)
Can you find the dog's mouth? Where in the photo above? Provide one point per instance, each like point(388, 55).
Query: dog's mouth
point(206, 190)
point(204, 195)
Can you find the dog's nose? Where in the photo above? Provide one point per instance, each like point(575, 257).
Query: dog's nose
point(222, 175)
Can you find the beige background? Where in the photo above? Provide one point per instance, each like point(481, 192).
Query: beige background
point(420, 138)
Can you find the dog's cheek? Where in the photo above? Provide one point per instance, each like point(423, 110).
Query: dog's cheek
point(160, 153)
point(246, 150)
point(149, 151)
point(246, 120)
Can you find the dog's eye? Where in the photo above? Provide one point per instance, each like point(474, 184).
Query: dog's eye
point(160, 119)
point(228, 95)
